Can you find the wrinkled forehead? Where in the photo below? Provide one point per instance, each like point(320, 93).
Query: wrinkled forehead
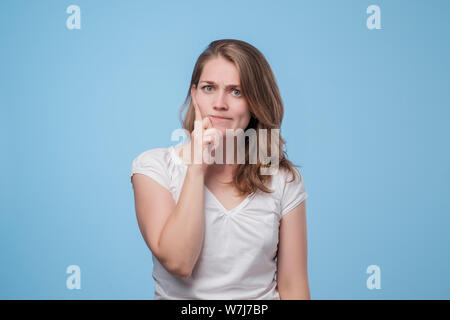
point(220, 71)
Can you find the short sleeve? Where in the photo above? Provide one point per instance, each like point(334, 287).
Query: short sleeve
point(153, 164)
point(293, 192)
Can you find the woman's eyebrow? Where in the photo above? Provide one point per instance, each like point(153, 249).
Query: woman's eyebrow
point(228, 86)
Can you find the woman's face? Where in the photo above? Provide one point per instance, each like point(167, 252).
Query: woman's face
point(219, 94)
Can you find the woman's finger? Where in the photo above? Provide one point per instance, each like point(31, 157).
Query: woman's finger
point(206, 123)
point(215, 135)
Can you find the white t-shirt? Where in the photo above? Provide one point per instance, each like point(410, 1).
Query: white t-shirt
point(240, 245)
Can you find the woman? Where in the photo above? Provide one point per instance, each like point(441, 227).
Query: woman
point(224, 230)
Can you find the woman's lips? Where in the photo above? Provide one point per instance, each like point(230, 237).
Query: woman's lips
point(217, 118)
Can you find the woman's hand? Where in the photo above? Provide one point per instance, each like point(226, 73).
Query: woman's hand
point(204, 140)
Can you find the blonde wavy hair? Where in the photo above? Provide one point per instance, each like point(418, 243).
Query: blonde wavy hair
point(260, 89)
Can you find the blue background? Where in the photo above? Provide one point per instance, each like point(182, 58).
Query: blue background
point(366, 115)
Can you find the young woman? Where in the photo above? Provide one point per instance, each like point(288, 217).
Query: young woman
point(224, 230)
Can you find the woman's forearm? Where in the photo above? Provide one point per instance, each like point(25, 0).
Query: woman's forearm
point(182, 237)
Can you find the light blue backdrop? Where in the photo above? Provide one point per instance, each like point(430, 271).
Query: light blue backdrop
point(366, 115)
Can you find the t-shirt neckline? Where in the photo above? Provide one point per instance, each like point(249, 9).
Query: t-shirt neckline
point(230, 212)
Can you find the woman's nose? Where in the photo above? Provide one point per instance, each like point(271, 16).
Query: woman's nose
point(220, 101)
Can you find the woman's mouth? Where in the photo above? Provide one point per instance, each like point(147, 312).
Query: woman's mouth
point(218, 118)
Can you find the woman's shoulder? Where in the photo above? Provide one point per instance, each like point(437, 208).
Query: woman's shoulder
point(286, 175)
point(156, 163)
point(149, 156)
point(286, 179)
point(160, 159)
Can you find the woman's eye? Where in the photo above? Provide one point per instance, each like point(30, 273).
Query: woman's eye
point(235, 91)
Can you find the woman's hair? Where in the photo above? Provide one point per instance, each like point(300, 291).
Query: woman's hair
point(261, 92)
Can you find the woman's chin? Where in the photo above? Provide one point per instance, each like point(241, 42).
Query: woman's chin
point(223, 131)
point(220, 128)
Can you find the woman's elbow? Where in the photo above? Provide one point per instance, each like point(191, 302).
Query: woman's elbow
point(294, 292)
point(294, 295)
